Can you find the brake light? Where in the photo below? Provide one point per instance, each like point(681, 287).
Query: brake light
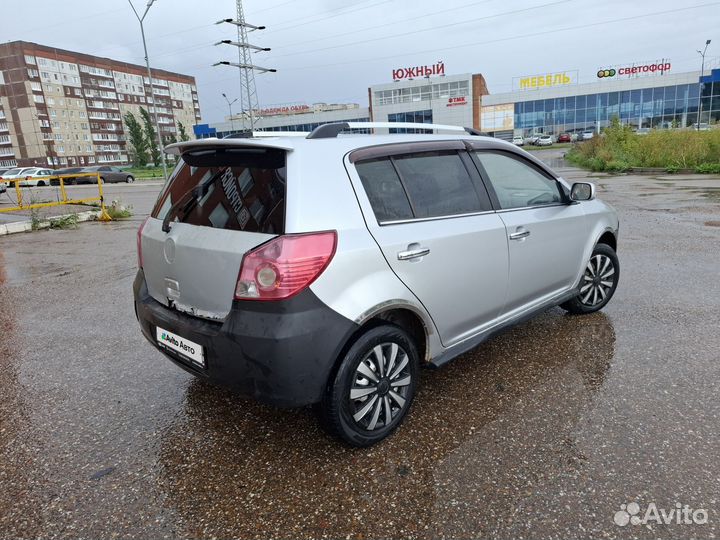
point(139, 242)
point(284, 266)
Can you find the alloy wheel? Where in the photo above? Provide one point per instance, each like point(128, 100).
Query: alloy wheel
point(598, 280)
point(380, 386)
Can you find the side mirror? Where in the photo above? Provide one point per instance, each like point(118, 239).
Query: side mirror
point(582, 191)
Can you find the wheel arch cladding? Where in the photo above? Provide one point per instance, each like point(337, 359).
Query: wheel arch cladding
point(609, 239)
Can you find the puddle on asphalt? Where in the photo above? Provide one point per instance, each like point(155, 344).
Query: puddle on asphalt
point(710, 193)
point(265, 472)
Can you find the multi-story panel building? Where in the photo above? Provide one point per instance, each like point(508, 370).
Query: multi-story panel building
point(62, 108)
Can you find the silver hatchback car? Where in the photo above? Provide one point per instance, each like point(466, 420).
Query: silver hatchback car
point(328, 269)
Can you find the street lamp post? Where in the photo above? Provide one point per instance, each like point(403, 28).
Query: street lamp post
point(152, 94)
point(230, 104)
point(702, 85)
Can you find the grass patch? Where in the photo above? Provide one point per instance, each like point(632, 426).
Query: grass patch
point(555, 146)
point(148, 172)
point(70, 221)
point(620, 149)
point(119, 211)
point(708, 168)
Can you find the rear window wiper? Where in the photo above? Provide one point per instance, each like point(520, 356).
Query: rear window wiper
point(185, 205)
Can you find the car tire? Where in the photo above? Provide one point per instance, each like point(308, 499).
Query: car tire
point(129, 179)
point(361, 405)
point(40, 183)
point(596, 288)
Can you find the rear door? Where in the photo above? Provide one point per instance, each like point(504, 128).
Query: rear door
point(546, 233)
point(434, 223)
point(218, 204)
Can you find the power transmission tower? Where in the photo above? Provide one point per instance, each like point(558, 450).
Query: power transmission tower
point(248, 92)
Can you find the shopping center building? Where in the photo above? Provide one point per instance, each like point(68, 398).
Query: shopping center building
point(650, 98)
point(643, 95)
point(294, 117)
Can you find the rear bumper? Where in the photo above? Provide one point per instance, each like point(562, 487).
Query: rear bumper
point(280, 353)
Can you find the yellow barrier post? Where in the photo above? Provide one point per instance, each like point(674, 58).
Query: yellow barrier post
point(19, 193)
point(104, 216)
point(62, 188)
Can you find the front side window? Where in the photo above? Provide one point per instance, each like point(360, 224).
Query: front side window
point(516, 183)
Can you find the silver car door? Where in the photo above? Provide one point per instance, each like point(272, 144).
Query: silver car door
point(546, 233)
point(436, 228)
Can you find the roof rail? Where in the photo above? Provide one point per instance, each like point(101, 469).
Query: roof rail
point(332, 130)
point(262, 134)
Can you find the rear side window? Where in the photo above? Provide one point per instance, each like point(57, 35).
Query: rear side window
point(438, 184)
point(243, 192)
point(421, 185)
point(384, 189)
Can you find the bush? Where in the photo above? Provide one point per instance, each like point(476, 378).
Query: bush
point(619, 149)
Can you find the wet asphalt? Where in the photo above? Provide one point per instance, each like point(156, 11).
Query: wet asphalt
point(542, 432)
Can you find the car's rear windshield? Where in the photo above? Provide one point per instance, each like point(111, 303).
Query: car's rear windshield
point(239, 189)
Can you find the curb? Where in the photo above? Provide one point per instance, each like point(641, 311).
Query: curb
point(26, 226)
point(659, 170)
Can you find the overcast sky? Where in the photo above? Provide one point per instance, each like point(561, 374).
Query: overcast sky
point(332, 50)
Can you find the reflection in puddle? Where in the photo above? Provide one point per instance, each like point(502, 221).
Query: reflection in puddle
point(501, 415)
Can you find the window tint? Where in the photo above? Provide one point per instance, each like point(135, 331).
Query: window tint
point(516, 183)
point(384, 190)
point(438, 184)
point(246, 194)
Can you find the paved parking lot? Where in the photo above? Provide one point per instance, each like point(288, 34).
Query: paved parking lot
point(543, 432)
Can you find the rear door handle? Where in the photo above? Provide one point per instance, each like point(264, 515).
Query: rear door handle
point(412, 253)
point(519, 235)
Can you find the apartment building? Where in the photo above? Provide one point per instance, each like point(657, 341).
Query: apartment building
point(62, 108)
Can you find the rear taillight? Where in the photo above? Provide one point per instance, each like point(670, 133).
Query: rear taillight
point(284, 266)
point(139, 242)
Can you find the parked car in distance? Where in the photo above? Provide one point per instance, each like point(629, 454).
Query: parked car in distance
point(314, 270)
point(28, 176)
point(67, 180)
point(564, 138)
point(38, 177)
point(643, 131)
point(12, 174)
point(532, 139)
point(544, 140)
point(518, 141)
point(108, 175)
point(586, 135)
point(3, 185)
point(703, 126)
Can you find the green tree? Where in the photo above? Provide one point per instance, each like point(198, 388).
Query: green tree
point(150, 136)
point(137, 140)
point(183, 134)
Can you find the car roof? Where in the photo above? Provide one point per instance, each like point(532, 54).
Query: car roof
point(341, 144)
